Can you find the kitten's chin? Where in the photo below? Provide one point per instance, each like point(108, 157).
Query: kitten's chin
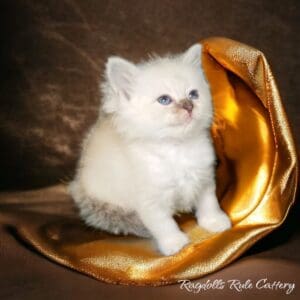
point(184, 128)
point(178, 128)
point(187, 120)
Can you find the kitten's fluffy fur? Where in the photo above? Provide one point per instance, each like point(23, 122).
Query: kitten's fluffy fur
point(143, 161)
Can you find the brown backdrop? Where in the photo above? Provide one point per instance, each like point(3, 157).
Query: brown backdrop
point(52, 56)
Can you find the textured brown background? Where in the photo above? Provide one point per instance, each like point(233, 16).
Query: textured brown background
point(53, 52)
point(51, 59)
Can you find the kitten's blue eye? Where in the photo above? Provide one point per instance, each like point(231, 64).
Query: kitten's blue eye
point(164, 100)
point(193, 95)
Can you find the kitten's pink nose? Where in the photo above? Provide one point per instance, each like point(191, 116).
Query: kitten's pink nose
point(187, 105)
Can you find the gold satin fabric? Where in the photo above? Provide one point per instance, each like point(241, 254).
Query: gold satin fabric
point(256, 176)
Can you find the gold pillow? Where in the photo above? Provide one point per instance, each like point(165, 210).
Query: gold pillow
point(256, 176)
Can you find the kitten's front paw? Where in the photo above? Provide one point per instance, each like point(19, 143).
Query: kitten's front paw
point(215, 222)
point(172, 244)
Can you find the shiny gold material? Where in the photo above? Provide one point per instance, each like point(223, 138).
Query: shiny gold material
point(257, 178)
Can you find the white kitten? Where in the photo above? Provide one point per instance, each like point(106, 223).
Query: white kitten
point(150, 153)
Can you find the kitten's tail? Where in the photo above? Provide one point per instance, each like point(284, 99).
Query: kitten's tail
point(106, 216)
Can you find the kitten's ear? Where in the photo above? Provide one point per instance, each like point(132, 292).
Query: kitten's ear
point(192, 55)
point(121, 74)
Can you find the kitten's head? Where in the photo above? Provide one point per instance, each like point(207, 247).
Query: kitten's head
point(164, 97)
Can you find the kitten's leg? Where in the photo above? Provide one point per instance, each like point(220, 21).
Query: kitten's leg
point(208, 212)
point(106, 216)
point(162, 226)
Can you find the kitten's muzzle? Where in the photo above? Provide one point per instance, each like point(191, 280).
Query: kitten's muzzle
point(187, 105)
